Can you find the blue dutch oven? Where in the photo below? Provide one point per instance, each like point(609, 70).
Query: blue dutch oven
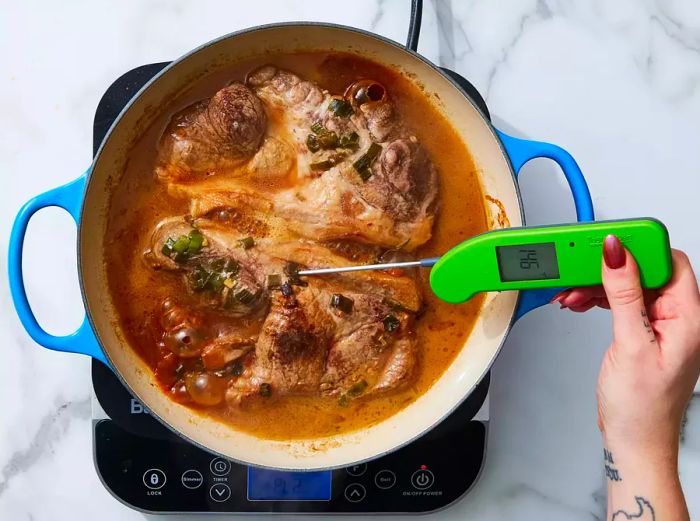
point(498, 158)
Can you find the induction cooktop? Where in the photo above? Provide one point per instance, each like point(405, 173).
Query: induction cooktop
point(149, 468)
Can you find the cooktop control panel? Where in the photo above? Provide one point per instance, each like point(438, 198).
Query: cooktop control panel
point(146, 466)
point(172, 476)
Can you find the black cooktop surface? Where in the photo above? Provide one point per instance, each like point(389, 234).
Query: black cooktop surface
point(150, 468)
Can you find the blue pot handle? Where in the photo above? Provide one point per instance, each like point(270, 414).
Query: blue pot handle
point(520, 151)
point(70, 198)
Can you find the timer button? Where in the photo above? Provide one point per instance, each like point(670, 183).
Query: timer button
point(219, 466)
point(357, 470)
point(422, 479)
point(355, 492)
point(385, 479)
point(154, 479)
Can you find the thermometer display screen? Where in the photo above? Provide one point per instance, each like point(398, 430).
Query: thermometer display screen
point(527, 262)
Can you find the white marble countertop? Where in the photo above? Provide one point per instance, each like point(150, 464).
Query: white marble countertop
point(616, 83)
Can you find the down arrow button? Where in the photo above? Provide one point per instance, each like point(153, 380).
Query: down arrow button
point(220, 492)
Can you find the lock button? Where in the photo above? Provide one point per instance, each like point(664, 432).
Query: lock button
point(154, 479)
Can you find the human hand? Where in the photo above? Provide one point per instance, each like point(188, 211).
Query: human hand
point(649, 371)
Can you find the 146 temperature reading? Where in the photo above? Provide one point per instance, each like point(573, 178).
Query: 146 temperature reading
point(528, 259)
point(527, 262)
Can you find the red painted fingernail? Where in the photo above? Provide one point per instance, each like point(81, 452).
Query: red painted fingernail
point(613, 252)
point(559, 296)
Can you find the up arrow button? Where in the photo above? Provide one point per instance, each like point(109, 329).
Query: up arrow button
point(355, 492)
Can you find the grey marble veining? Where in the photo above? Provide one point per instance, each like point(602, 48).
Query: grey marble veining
point(616, 83)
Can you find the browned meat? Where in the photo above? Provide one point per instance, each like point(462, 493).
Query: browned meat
point(309, 345)
point(221, 244)
point(292, 348)
point(317, 191)
point(342, 335)
point(213, 135)
point(218, 267)
point(304, 179)
point(394, 206)
point(286, 90)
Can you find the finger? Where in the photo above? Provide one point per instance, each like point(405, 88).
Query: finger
point(560, 296)
point(587, 306)
point(577, 297)
point(580, 296)
point(683, 283)
point(680, 296)
point(631, 327)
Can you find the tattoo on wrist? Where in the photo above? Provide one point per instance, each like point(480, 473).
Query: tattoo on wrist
point(610, 471)
point(647, 326)
point(646, 512)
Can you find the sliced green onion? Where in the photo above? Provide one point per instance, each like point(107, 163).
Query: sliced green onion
point(364, 162)
point(343, 401)
point(342, 303)
point(213, 277)
point(391, 323)
point(273, 281)
point(265, 390)
point(340, 108)
point(351, 141)
point(328, 163)
point(244, 296)
point(216, 282)
point(181, 244)
point(328, 140)
point(357, 389)
point(200, 278)
point(167, 248)
point(317, 127)
point(196, 241)
point(396, 306)
point(321, 166)
point(247, 243)
point(312, 143)
point(231, 267)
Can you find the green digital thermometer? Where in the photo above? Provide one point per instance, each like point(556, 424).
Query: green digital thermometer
point(548, 257)
point(563, 255)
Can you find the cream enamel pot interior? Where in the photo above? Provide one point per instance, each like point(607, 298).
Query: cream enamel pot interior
point(498, 157)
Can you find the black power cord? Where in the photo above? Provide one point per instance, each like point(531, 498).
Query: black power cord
point(414, 25)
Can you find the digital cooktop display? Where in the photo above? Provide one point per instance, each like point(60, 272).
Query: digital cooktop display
point(274, 485)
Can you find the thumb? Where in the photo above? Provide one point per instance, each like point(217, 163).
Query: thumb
point(624, 291)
